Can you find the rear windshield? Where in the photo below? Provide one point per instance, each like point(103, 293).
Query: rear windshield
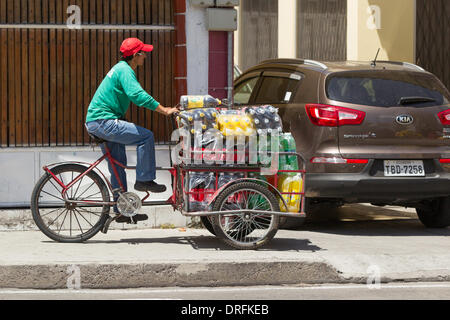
point(387, 89)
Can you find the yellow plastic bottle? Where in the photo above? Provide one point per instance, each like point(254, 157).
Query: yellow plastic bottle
point(296, 186)
point(226, 125)
point(290, 184)
point(283, 186)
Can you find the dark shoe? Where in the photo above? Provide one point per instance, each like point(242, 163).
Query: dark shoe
point(136, 218)
point(151, 186)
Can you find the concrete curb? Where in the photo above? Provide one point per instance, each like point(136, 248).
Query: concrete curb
point(127, 276)
point(109, 276)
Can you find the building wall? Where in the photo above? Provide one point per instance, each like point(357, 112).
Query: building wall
point(393, 30)
point(51, 65)
point(21, 168)
point(381, 24)
point(180, 57)
point(197, 41)
point(287, 28)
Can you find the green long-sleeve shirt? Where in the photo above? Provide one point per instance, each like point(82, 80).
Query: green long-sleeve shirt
point(113, 96)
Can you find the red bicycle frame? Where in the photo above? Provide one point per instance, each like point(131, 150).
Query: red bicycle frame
point(113, 162)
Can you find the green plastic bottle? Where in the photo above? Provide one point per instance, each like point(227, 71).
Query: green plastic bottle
point(287, 144)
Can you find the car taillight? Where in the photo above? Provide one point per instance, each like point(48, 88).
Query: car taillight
point(332, 116)
point(445, 117)
point(337, 160)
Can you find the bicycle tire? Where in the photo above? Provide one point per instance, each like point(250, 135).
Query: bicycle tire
point(229, 237)
point(206, 221)
point(39, 212)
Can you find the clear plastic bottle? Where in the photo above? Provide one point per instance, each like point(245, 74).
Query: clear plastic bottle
point(236, 122)
point(195, 102)
point(198, 115)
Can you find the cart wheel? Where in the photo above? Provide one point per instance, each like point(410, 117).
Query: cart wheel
point(246, 230)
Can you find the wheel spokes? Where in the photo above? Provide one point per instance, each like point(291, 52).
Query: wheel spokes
point(246, 227)
point(61, 217)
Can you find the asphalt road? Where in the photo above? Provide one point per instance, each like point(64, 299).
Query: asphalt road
point(352, 244)
point(391, 291)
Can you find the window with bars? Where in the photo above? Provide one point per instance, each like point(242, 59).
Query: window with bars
point(432, 38)
point(259, 38)
point(322, 29)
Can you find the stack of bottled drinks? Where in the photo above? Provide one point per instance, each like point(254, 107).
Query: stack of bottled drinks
point(289, 182)
point(202, 113)
point(266, 119)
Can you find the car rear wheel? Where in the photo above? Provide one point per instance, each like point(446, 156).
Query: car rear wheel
point(436, 214)
point(313, 206)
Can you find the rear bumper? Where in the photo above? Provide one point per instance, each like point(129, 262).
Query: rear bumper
point(363, 187)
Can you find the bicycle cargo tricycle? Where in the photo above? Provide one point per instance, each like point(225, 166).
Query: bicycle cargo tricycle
point(240, 203)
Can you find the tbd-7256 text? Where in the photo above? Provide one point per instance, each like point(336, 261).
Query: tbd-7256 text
point(230, 309)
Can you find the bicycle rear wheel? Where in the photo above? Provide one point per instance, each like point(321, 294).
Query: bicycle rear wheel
point(63, 221)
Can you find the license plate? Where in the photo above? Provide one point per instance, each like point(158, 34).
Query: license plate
point(404, 168)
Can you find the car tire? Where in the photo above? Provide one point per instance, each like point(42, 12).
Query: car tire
point(207, 224)
point(436, 214)
point(289, 223)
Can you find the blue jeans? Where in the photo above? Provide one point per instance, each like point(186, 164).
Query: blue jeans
point(119, 133)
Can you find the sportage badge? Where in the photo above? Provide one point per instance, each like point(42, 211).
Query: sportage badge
point(404, 119)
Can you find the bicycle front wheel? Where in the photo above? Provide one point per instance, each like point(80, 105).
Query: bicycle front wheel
point(65, 221)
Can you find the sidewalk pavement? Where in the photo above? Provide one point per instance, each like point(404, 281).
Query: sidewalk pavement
point(350, 252)
point(158, 216)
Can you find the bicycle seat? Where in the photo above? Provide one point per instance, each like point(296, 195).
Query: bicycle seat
point(96, 139)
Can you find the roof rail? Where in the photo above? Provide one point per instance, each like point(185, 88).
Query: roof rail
point(298, 61)
point(405, 64)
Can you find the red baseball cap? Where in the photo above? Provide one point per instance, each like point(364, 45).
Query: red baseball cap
point(131, 46)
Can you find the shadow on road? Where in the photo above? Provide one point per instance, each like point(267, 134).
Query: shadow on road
point(213, 243)
point(364, 220)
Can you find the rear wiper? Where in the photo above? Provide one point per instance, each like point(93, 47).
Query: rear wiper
point(413, 100)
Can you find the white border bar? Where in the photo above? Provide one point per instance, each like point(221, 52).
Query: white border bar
point(87, 27)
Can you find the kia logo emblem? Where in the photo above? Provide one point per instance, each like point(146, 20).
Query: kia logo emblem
point(404, 119)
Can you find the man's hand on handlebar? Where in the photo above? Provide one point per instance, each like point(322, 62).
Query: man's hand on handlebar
point(171, 111)
point(167, 110)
